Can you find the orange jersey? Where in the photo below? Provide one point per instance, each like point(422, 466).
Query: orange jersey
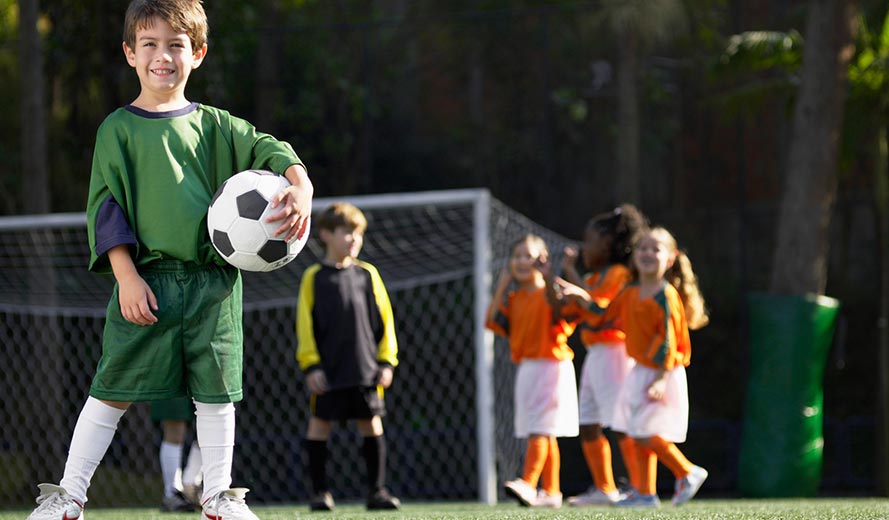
point(655, 327)
point(603, 286)
point(526, 320)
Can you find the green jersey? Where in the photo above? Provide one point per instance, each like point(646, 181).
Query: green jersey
point(162, 169)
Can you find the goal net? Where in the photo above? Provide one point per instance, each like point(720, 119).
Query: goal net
point(449, 420)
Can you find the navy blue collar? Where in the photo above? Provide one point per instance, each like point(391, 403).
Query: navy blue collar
point(191, 107)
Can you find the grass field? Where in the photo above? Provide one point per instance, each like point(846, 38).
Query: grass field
point(801, 509)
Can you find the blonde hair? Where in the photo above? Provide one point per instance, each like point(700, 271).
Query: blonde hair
point(184, 16)
point(681, 276)
point(342, 214)
point(532, 240)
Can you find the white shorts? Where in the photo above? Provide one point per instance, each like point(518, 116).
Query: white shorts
point(639, 417)
point(545, 398)
point(604, 370)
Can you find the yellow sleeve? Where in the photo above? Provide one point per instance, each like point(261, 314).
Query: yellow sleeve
point(387, 351)
point(307, 349)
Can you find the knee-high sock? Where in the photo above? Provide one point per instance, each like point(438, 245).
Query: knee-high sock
point(215, 426)
point(671, 456)
point(374, 450)
point(171, 467)
point(317, 452)
point(647, 463)
point(93, 434)
point(191, 475)
point(550, 481)
point(597, 453)
point(628, 452)
point(535, 458)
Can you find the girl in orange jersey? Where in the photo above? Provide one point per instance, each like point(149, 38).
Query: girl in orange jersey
point(655, 312)
point(545, 387)
point(607, 247)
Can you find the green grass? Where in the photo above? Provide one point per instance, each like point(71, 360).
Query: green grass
point(798, 509)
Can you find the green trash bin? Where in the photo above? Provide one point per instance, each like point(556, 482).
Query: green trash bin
point(782, 439)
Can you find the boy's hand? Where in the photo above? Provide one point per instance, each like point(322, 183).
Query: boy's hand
point(136, 300)
point(296, 204)
point(385, 379)
point(316, 382)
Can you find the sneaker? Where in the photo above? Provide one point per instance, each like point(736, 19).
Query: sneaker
point(521, 491)
point(54, 503)
point(228, 505)
point(382, 499)
point(323, 501)
point(639, 500)
point(544, 499)
point(689, 485)
point(176, 503)
point(595, 497)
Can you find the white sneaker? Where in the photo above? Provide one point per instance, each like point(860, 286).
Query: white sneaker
point(594, 497)
point(54, 503)
point(228, 505)
point(544, 499)
point(639, 500)
point(687, 486)
point(521, 491)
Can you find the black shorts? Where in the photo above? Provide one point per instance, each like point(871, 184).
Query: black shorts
point(356, 402)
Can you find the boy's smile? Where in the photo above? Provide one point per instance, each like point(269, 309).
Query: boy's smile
point(163, 60)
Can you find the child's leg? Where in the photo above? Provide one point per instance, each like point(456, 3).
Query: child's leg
point(550, 475)
point(669, 454)
point(191, 475)
point(628, 452)
point(93, 434)
point(646, 461)
point(597, 452)
point(317, 435)
point(215, 427)
point(535, 458)
point(374, 451)
point(172, 446)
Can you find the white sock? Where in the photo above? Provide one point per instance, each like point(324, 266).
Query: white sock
point(191, 475)
point(171, 467)
point(93, 434)
point(215, 426)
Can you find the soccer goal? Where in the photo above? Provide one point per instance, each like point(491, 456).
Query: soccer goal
point(449, 420)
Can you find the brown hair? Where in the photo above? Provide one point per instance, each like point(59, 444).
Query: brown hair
point(184, 16)
point(681, 276)
point(342, 214)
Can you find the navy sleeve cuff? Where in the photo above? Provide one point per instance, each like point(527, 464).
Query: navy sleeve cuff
point(112, 227)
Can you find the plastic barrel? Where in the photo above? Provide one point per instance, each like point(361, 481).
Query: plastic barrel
point(782, 440)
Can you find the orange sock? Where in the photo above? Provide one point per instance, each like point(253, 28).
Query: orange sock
point(628, 451)
point(535, 458)
point(550, 477)
point(597, 453)
point(647, 464)
point(669, 454)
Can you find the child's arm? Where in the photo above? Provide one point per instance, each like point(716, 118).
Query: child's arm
point(569, 266)
point(499, 292)
point(296, 204)
point(134, 295)
point(658, 387)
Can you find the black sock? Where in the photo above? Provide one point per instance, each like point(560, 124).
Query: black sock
point(374, 451)
point(317, 451)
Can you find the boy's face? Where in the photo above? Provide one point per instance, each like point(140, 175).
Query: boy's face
point(163, 60)
point(342, 243)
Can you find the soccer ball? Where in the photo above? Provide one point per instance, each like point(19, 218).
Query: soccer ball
point(237, 227)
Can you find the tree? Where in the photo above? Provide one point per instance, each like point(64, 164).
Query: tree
point(799, 264)
point(35, 160)
point(636, 24)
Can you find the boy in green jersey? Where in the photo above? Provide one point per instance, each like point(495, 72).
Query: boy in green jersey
point(173, 324)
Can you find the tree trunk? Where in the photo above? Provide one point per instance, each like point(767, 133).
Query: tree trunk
point(881, 193)
point(268, 88)
point(628, 185)
point(35, 162)
point(800, 263)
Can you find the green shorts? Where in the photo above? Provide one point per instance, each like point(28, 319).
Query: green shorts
point(195, 348)
point(178, 409)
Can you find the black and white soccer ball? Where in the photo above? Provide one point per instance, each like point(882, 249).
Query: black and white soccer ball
point(237, 227)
